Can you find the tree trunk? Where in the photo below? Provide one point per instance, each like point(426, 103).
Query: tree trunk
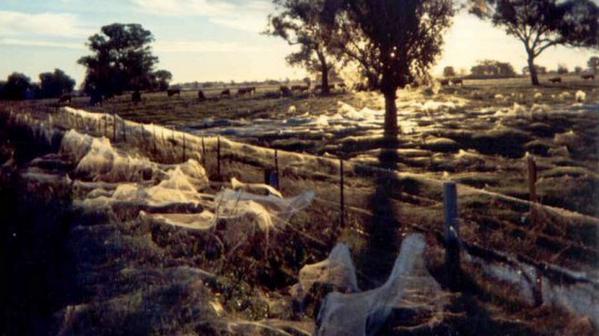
point(325, 80)
point(534, 77)
point(391, 128)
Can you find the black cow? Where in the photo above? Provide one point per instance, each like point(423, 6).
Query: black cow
point(555, 79)
point(96, 99)
point(65, 99)
point(201, 96)
point(136, 97)
point(246, 90)
point(444, 82)
point(457, 81)
point(226, 92)
point(172, 92)
point(588, 77)
point(285, 91)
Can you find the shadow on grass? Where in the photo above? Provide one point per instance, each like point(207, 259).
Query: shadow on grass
point(376, 260)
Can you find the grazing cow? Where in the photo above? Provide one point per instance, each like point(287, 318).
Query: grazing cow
point(588, 77)
point(96, 99)
point(300, 88)
point(226, 92)
point(65, 99)
point(246, 90)
point(444, 82)
point(285, 91)
point(342, 85)
point(201, 96)
point(136, 97)
point(457, 81)
point(555, 79)
point(172, 92)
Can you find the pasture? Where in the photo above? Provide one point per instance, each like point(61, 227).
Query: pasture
point(477, 135)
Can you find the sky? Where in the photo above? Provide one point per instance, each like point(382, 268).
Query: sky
point(211, 40)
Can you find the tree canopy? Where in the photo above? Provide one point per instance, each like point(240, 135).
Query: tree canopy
point(17, 87)
point(122, 60)
point(54, 84)
point(540, 24)
point(299, 23)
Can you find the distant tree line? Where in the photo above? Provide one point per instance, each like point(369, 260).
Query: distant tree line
point(51, 85)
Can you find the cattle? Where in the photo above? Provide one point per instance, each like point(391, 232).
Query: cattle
point(457, 81)
point(300, 88)
point(136, 97)
point(96, 99)
point(246, 90)
point(201, 96)
point(319, 87)
point(285, 91)
point(444, 82)
point(555, 79)
point(172, 92)
point(588, 77)
point(342, 85)
point(226, 93)
point(65, 99)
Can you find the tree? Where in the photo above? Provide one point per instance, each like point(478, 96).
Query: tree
point(122, 60)
point(298, 22)
point(562, 69)
point(17, 87)
point(578, 70)
point(405, 37)
point(492, 69)
point(448, 71)
point(541, 24)
point(54, 84)
point(162, 78)
point(593, 64)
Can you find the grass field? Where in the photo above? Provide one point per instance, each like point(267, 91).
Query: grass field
point(474, 135)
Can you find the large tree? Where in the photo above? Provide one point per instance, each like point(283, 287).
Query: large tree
point(122, 60)
point(540, 24)
point(54, 84)
point(405, 37)
point(299, 23)
point(17, 87)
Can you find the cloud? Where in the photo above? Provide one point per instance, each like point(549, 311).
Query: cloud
point(16, 24)
point(244, 15)
point(41, 43)
point(202, 47)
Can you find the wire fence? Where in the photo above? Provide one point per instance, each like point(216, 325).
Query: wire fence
point(350, 195)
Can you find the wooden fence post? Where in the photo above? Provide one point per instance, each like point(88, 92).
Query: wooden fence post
point(124, 125)
point(452, 235)
point(114, 126)
point(203, 153)
point(341, 195)
point(184, 145)
point(218, 156)
point(532, 179)
point(276, 172)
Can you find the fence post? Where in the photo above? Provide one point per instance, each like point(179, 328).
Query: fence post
point(532, 179)
point(341, 195)
point(114, 126)
point(452, 235)
point(154, 137)
point(277, 177)
point(184, 145)
point(218, 156)
point(203, 153)
point(124, 125)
